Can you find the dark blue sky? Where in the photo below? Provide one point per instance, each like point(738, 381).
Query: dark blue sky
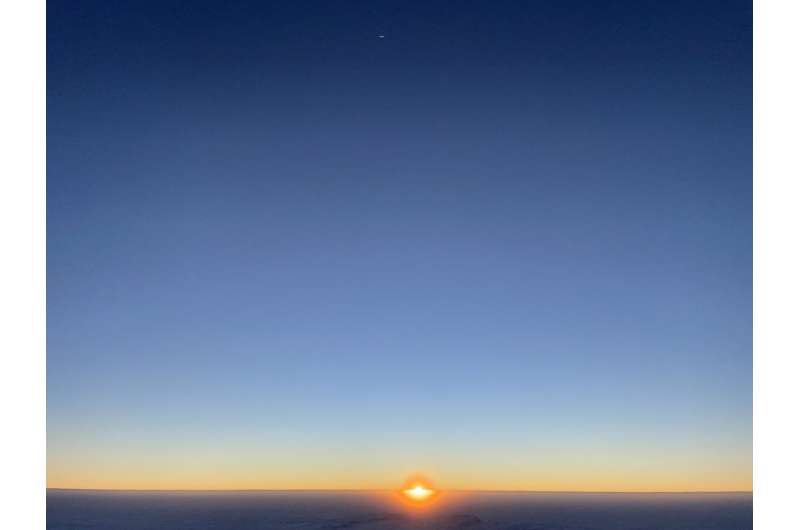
point(506, 228)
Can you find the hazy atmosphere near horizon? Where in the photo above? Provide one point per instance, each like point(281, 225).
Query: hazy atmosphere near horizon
point(330, 245)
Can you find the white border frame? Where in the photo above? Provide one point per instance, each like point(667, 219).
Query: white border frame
point(776, 264)
point(22, 283)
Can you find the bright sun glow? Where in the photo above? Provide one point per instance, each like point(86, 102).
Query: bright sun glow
point(418, 492)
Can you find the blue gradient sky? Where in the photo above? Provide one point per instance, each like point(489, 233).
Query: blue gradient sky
point(508, 245)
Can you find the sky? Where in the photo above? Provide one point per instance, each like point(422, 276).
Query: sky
point(507, 245)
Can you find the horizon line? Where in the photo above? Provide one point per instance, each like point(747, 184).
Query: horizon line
point(352, 490)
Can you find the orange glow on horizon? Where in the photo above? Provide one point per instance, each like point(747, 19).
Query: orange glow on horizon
point(171, 471)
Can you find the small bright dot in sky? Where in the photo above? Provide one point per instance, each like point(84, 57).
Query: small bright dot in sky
point(381, 36)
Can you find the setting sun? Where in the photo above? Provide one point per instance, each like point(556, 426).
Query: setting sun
point(418, 492)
